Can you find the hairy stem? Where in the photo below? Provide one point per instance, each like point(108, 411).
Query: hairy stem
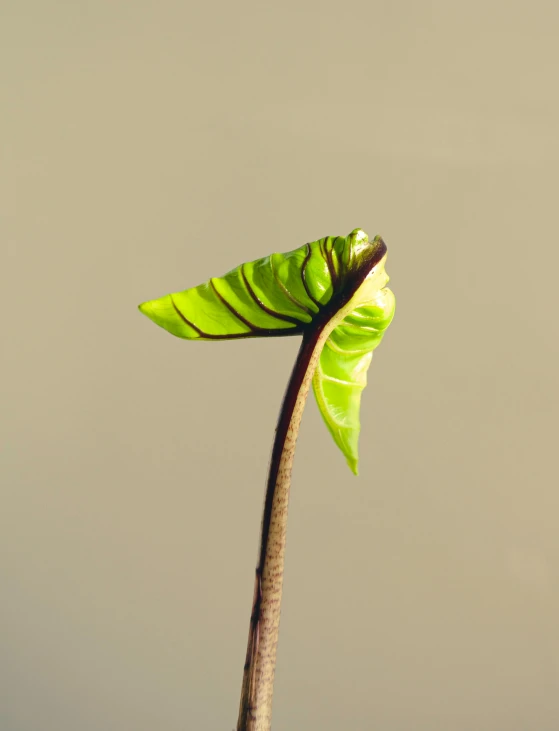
point(255, 712)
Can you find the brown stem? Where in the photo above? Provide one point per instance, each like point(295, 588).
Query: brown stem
point(255, 712)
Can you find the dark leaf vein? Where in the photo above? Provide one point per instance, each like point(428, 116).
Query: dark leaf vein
point(287, 292)
point(233, 311)
point(265, 308)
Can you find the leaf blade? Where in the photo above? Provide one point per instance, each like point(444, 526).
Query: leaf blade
point(341, 373)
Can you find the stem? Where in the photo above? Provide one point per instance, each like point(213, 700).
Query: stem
point(255, 712)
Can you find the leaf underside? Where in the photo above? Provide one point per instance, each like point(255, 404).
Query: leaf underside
point(341, 374)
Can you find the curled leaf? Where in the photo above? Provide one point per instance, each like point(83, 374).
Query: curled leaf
point(336, 282)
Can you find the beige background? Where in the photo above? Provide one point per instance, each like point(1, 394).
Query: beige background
point(149, 145)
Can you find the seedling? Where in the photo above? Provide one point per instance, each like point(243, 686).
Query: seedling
point(331, 292)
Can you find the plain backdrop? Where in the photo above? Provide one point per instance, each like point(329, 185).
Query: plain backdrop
point(146, 146)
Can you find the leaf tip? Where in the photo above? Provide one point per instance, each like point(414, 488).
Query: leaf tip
point(353, 463)
point(152, 310)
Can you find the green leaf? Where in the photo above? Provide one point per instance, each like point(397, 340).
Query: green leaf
point(341, 374)
point(336, 282)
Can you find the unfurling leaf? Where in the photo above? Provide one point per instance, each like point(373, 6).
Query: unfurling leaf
point(336, 282)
